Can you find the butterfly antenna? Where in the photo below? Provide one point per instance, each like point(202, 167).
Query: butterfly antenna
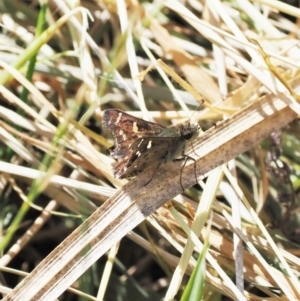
point(153, 174)
point(201, 103)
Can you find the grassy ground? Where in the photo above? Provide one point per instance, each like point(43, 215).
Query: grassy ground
point(69, 229)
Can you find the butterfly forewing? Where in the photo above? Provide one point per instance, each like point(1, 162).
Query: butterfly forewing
point(126, 129)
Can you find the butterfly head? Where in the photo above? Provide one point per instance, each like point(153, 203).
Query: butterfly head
point(189, 132)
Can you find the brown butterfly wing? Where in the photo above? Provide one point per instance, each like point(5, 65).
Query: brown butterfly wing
point(146, 152)
point(141, 144)
point(127, 130)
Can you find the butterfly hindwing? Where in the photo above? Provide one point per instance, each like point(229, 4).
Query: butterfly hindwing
point(146, 152)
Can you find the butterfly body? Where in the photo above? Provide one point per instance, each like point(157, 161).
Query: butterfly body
point(141, 144)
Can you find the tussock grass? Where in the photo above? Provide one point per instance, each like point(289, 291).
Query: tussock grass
point(232, 234)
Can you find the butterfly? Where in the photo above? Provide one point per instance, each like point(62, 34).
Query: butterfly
point(141, 144)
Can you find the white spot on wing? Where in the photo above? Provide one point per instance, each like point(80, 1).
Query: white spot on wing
point(124, 137)
point(119, 117)
point(149, 144)
point(135, 128)
point(138, 153)
point(120, 132)
point(140, 143)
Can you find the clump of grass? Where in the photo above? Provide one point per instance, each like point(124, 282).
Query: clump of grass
point(232, 233)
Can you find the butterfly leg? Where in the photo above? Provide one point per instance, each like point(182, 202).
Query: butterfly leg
point(194, 151)
point(195, 165)
point(165, 161)
point(153, 174)
point(185, 158)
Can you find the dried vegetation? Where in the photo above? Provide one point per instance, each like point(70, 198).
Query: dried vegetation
point(57, 77)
